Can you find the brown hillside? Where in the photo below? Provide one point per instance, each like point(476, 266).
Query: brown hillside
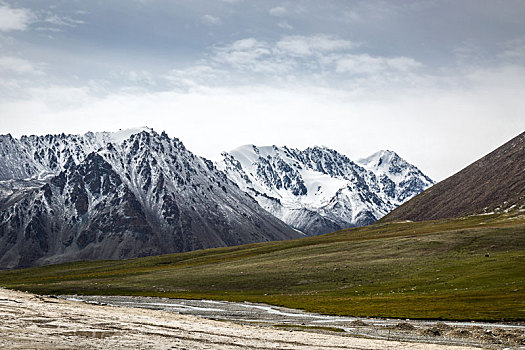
point(496, 181)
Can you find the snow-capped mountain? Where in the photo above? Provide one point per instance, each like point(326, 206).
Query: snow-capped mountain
point(398, 180)
point(118, 195)
point(319, 190)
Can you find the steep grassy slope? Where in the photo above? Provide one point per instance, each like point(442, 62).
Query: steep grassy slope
point(496, 181)
point(467, 268)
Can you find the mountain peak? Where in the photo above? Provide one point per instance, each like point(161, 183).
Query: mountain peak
point(379, 158)
point(119, 136)
point(318, 189)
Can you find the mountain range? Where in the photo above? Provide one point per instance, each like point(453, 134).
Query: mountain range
point(136, 193)
point(318, 190)
point(118, 195)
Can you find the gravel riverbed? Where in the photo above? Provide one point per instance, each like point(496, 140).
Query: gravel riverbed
point(29, 321)
point(493, 335)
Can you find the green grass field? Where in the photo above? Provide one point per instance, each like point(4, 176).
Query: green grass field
point(461, 269)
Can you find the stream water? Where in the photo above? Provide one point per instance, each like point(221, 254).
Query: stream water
point(380, 328)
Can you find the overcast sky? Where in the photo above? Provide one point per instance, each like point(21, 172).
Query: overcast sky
point(440, 82)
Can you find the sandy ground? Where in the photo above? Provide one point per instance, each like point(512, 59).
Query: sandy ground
point(481, 334)
point(29, 321)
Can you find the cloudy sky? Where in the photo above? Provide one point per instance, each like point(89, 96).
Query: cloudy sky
point(439, 82)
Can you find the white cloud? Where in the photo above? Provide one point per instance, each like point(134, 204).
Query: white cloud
point(48, 29)
point(284, 25)
point(252, 55)
point(403, 63)
point(378, 11)
point(196, 77)
point(63, 21)
point(247, 44)
point(468, 53)
point(352, 16)
point(17, 65)
point(15, 19)
point(212, 20)
point(299, 45)
point(278, 11)
point(366, 64)
point(21, 18)
point(135, 77)
point(514, 50)
point(325, 58)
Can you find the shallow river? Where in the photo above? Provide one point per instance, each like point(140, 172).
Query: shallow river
point(251, 313)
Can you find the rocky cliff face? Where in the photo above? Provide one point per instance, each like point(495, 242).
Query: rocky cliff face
point(118, 195)
point(319, 190)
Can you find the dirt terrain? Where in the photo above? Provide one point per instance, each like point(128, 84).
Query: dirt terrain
point(29, 321)
point(493, 335)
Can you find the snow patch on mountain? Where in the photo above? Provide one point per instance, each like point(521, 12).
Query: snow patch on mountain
point(319, 190)
point(41, 157)
point(399, 180)
point(118, 195)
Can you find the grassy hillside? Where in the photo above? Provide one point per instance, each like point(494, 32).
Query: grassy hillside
point(471, 268)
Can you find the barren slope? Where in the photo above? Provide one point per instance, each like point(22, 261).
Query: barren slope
point(496, 181)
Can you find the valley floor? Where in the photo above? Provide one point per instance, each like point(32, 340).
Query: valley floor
point(29, 321)
point(477, 334)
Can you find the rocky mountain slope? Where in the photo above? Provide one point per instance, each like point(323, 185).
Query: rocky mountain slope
point(494, 182)
point(319, 190)
point(118, 195)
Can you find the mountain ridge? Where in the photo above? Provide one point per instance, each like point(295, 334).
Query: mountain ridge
point(101, 197)
point(318, 190)
point(493, 182)
point(135, 192)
